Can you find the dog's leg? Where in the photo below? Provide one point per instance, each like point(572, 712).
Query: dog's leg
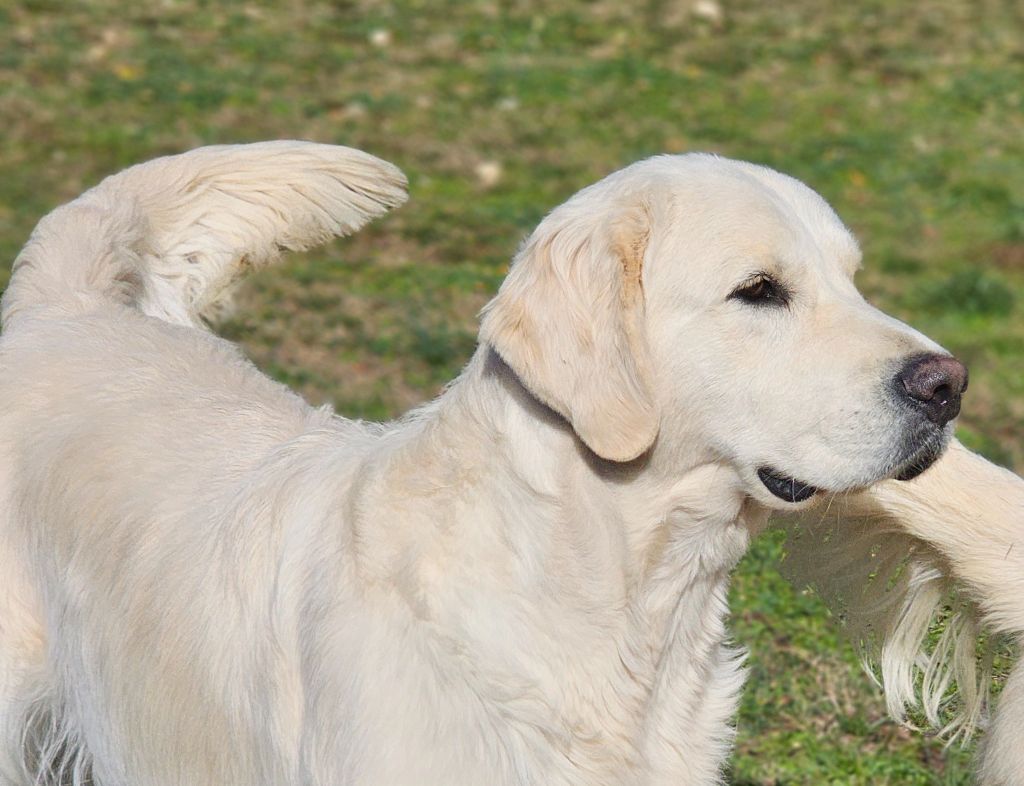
point(1002, 752)
point(22, 669)
point(972, 512)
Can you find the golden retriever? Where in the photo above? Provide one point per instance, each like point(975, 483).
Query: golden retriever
point(208, 582)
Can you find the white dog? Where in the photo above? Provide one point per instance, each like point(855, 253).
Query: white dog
point(886, 556)
point(206, 581)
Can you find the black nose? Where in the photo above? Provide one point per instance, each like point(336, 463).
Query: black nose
point(933, 384)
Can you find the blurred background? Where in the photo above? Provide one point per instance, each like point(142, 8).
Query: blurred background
point(907, 116)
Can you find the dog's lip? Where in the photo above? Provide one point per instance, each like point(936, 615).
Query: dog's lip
point(919, 461)
point(790, 489)
point(785, 487)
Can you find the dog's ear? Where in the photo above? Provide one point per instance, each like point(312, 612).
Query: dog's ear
point(569, 321)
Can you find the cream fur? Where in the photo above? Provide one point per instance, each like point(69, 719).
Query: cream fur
point(523, 582)
point(893, 553)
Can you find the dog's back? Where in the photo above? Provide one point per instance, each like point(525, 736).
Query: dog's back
point(122, 413)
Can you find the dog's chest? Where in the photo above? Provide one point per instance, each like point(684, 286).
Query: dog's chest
point(548, 657)
point(638, 690)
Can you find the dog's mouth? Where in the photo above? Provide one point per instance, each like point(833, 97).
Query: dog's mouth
point(921, 460)
point(793, 490)
point(785, 487)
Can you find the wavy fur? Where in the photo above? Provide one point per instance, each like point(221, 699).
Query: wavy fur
point(170, 236)
point(208, 582)
point(928, 577)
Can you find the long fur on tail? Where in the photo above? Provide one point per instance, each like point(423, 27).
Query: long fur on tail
point(171, 235)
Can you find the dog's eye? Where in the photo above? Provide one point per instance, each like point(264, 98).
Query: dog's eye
point(761, 290)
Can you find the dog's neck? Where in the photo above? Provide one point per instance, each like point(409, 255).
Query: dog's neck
point(613, 577)
point(649, 503)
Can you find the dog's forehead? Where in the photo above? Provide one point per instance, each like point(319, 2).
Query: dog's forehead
point(812, 210)
point(750, 208)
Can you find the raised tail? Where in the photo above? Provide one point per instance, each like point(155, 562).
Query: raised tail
point(171, 235)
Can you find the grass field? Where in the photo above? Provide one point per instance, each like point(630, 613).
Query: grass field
point(907, 116)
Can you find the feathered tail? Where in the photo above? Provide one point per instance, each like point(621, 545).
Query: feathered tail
point(171, 235)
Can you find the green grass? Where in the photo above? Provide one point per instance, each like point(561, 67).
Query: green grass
point(907, 116)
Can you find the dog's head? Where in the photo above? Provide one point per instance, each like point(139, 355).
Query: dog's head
point(707, 307)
